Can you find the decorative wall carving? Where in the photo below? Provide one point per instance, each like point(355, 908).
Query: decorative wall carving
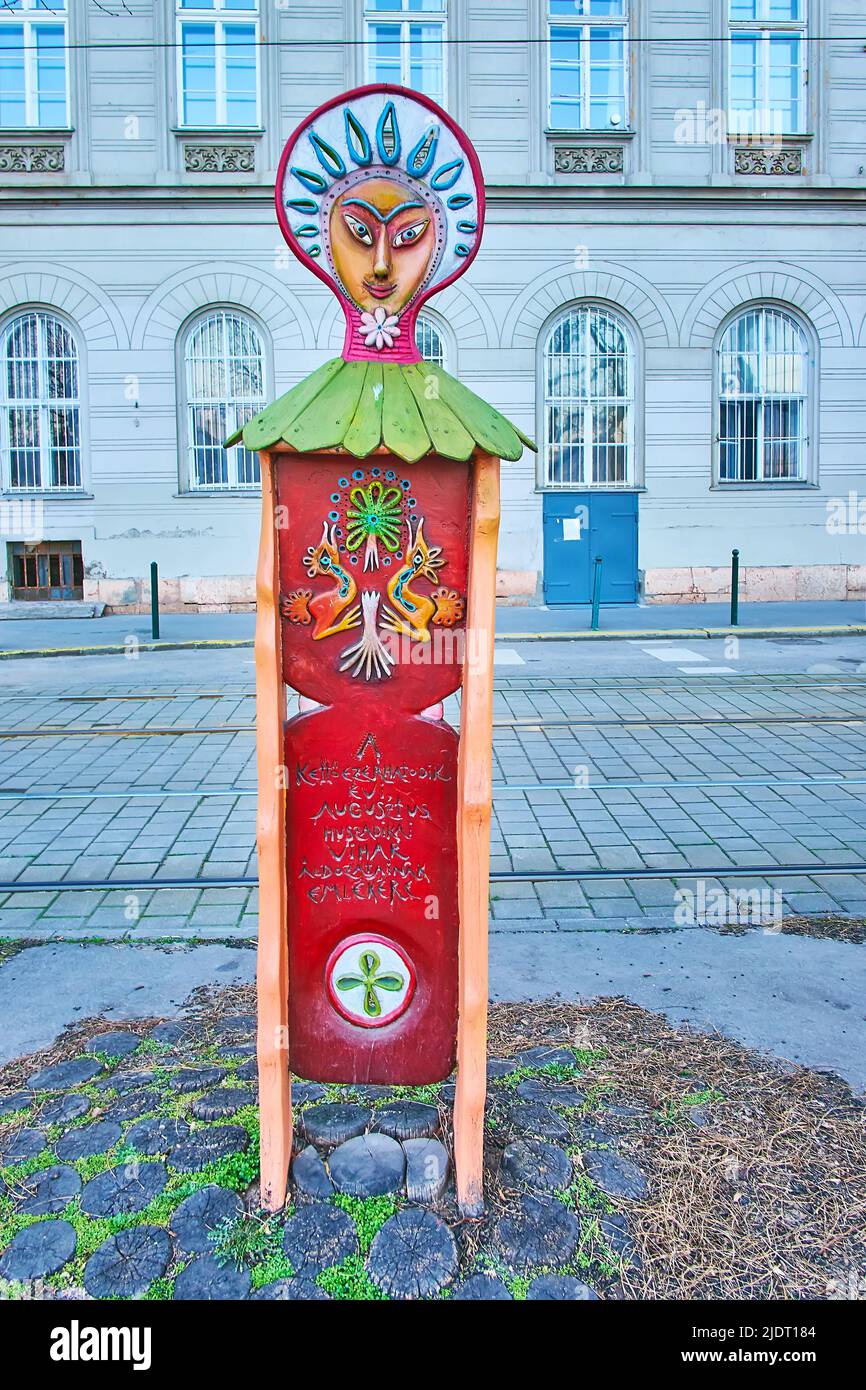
point(768, 161)
point(32, 159)
point(219, 159)
point(588, 159)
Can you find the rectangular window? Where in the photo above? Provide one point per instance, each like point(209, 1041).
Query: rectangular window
point(33, 64)
point(406, 44)
point(588, 62)
point(47, 571)
point(218, 63)
point(766, 66)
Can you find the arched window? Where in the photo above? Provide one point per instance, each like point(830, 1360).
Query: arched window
point(763, 362)
point(588, 400)
point(429, 341)
point(41, 405)
point(224, 361)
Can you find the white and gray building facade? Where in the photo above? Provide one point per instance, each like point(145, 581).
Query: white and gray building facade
point(670, 295)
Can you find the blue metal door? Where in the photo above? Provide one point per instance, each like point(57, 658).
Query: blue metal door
point(577, 527)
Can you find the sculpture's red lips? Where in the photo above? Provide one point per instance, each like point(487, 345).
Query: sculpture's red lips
point(380, 291)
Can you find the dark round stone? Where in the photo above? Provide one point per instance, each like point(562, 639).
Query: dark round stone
point(497, 1067)
point(368, 1166)
point(237, 1052)
point(305, 1092)
point(119, 1191)
point(215, 1105)
point(63, 1074)
point(205, 1279)
point(134, 1105)
point(49, 1190)
point(38, 1250)
point(616, 1176)
point(170, 1032)
point(25, 1143)
point(427, 1167)
point(206, 1146)
point(64, 1109)
point(125, 1081)
point(560, 1286)
point(333, 1123)
point(197, 1215)
point(317, 1237)
point(303, 1289)
point(406, 1119)
point(248, 1071)
point(118, 1043)
point(483, 1287)
point(158, 1135)
point(532, 1163)
point(550, 1093)
point(196, 1078)
point(310, 1175)
point(127, 1263)
point(546, 1056)
point(540, 1121)
point(591, 1137)
point(541, 1232)
point(413, 1255)
point(235, 1023)
point(96, 1138)
point(18, 1100)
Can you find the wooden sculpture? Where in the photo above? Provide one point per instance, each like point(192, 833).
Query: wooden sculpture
point(376, 585)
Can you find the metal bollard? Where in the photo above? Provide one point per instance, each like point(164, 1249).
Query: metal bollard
point(596, 592)
point(154, 600)
point(735, 586)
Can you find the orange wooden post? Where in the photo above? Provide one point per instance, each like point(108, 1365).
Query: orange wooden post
point(272, 972)
point(475, 795)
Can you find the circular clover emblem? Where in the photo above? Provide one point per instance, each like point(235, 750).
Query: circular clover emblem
point(370, 980)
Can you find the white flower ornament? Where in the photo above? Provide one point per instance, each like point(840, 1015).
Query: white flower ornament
point(379, 329)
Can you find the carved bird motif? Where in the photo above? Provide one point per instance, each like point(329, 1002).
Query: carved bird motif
point(324, 608)
point(411, 612)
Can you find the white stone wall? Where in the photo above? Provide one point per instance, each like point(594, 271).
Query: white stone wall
point(126, 246)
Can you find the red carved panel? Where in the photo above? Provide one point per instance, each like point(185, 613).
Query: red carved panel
point(373, 572)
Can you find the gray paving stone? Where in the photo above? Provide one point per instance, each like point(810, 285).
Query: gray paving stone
point(197, 1216)
point(204, 1279)
point(369, 1165)
point(413, 1255)
point(38, 1251)
point(317, 1237)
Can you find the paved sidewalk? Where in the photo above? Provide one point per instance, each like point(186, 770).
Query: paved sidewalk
point(792, 997)
point(32, 635)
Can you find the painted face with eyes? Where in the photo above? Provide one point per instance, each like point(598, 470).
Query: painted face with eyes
point(382, 241)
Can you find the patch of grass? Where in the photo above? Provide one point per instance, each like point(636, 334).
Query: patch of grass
point(582, 1194)
point(275, 1266)
point(246, 1240)
point(350, 1281)
point(369, 1215)
point(427, 1095)
point(554, 1071)
point(160, 1290)
point(674, 1110)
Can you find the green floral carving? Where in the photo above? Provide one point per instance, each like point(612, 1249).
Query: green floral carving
point(371, 981)
point(375, 514)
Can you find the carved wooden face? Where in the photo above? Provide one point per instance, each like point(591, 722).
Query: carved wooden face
point(383, 239)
